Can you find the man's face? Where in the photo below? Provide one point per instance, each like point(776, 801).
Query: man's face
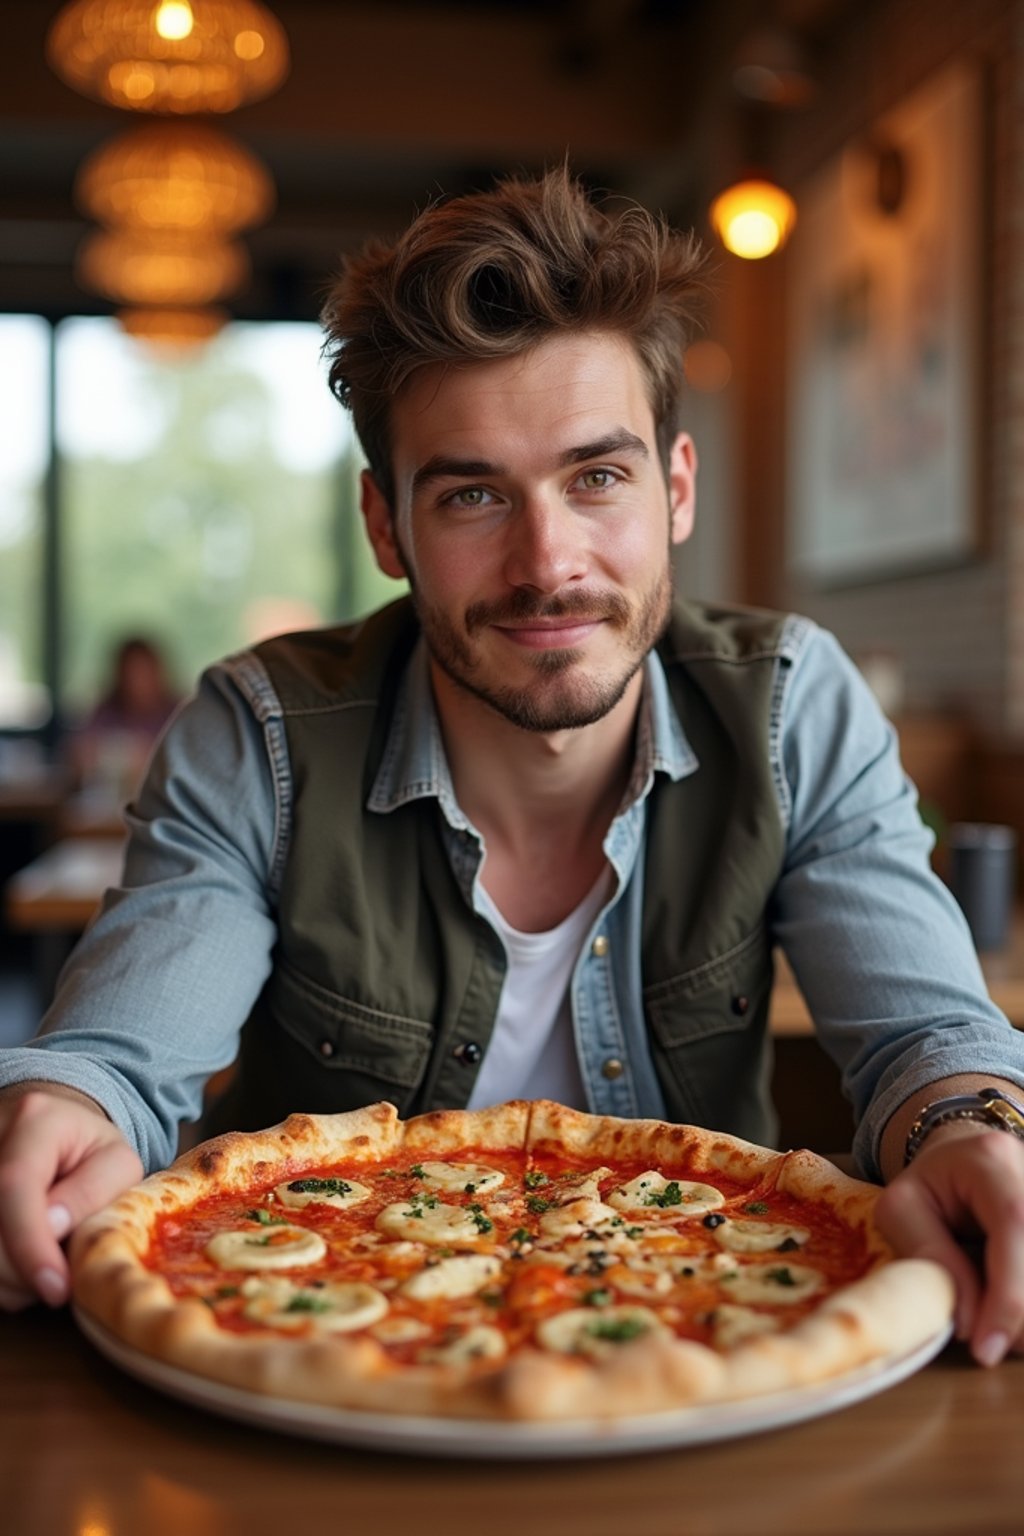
point(533, 520)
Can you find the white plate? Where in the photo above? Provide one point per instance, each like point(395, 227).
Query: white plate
point(485, 1438)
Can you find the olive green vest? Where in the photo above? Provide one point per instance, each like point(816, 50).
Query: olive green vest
point(383, 976)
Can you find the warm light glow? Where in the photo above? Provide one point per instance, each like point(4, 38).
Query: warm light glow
point(177, 271)
point(173, 19)
point(753, 218)
point(174, 176)
point(175, 56)
point(249, 45)
point(174, 330)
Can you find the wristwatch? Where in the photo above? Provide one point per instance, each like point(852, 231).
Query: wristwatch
point(989, 1106)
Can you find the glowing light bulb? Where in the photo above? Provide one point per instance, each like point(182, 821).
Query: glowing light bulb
point(173, 20)
point(753, 218)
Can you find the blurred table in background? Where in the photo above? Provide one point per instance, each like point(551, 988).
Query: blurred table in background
point(53, 898)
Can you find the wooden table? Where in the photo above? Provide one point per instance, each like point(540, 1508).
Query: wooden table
point(87, 1451)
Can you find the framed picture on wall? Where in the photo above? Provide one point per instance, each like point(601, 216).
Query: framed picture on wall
point(884, 287)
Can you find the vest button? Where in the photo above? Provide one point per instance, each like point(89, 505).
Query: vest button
point(740, 1006)
point(599, 946)
point(326, 1047)
point(469, 1054)
point(612, 1068)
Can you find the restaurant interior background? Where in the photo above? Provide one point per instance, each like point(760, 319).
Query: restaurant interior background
point(857, 398)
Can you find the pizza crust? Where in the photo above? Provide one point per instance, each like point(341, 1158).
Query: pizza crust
point(896, 1306)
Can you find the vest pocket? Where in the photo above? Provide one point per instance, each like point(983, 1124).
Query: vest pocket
point(708, 1032)
point(355, 1051)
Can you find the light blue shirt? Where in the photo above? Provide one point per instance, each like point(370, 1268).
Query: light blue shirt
point(151, 1001)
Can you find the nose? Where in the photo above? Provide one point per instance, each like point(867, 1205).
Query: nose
point(546, 546)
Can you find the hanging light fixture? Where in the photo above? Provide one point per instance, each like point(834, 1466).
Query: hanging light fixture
point(169, 56)
point(175, 176)
point(753, 217)
point(174, 270)
point(172, 330)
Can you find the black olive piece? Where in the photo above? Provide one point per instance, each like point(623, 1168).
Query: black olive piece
point(714, 1219)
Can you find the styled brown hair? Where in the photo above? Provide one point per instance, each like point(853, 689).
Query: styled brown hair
point(490, 275)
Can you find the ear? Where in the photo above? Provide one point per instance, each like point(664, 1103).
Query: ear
point(380, 526)
point(682, 487)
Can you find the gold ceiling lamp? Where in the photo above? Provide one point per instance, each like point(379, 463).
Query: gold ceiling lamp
point(169, 56)
point(753, 217)
point(172, 331)
point(175, 270)
point(175, 176)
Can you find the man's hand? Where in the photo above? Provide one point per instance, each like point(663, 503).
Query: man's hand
point(967, 1185)
point(60, 1160)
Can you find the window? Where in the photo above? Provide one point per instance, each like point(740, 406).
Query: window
point(207, 502)
point(24, 459)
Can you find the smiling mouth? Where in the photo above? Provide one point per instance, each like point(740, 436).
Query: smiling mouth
point(550, 634)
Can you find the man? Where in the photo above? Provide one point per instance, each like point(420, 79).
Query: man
point(535, 832)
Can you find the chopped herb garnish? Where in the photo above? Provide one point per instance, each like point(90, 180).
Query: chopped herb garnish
point(482, 1223)
point(617, 1221)
point(416, 1171)
point(781, 1276)
point(534, 1179)
point(470, 1189)
point(670, 1195)
point(599, 1297)
point(756, 1208)
point(303, 1301)
point(320, 1187)
point(617, 1329)
point(538, 1204)
point(634, 1232)
point(520, 1235)
point(265, 1219)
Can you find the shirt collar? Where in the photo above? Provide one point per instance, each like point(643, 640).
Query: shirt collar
point(415, 766)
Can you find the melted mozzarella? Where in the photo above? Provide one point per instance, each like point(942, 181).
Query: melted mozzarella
point(400, 1330)
point(354, 1194)
point(276, 1247)
point(742, 1236)
point(458, 1175)
point(575, 1217)
point(595, 1331)
point(341, 1307)
point(462, 1275)
point(481, 1342)
point(778, 1284)
point(576, 1185)
point(645, 1193)
point(440, 1224)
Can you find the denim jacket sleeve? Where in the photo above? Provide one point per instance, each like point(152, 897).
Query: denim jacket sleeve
point(877, 943)
point(152, 999)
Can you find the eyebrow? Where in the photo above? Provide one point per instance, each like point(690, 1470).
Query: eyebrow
point(440, 467)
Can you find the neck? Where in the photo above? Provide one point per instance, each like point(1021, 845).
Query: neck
point(542, 802)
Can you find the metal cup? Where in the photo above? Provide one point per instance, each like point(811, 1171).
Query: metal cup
point(982, 877)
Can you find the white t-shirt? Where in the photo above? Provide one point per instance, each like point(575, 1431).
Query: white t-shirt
point(532, 1053)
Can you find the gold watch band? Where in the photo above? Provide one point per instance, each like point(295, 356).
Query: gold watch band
point(989, 1106)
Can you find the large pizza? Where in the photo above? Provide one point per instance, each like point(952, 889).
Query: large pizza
point(523, 1262)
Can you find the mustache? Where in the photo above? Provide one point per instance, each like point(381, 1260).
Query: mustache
point(520, 606)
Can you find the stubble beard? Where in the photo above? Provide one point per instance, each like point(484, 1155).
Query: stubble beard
point(562, 696)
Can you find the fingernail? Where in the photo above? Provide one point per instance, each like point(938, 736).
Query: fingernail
point(59, 1218)
point(51, 1287)
point(992, 1349)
